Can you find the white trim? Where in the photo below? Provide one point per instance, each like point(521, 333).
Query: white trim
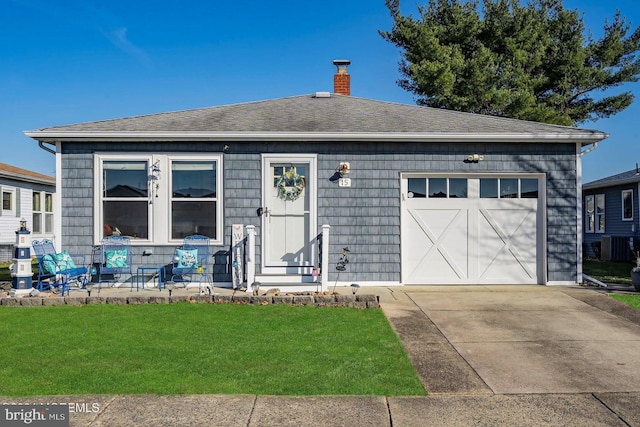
point(579, 218)
point(266, 160)
point(562, 283)
point(473, 193)
point(12, 191)
point(57, 197)
point(158, 212)
point(90, 136)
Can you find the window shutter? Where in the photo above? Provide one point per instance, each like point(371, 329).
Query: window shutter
point(18, 202)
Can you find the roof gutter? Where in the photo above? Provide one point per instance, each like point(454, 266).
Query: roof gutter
point(55, 136)
point(590, 149)
point(41, 145)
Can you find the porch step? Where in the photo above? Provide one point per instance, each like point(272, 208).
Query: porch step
point(286, 279)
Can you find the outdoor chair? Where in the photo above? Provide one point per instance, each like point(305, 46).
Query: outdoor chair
point(115, 259)
point(58, 269)
point(190, 261)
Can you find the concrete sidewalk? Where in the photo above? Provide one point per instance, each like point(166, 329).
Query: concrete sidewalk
point(487, 355)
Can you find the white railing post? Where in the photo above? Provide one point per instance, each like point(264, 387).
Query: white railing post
point(324, 267)
point(251, 256)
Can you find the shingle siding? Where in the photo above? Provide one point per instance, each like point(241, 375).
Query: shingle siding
point(364, 217)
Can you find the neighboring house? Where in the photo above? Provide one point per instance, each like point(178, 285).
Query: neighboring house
point(611, 216)
point(431, 196)
point(25, 195)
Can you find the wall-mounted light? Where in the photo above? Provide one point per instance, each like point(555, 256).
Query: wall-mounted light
point(475, 158)
point(344, 168)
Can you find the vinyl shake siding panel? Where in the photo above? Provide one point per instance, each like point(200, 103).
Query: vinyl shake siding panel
point(364, 217)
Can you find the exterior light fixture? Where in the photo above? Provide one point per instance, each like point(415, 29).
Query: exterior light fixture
point(23, 224)
point(475, 158)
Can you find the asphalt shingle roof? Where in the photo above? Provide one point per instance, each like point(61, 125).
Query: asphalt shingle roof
point(622, 178)
point(14, 172)
point(335, 114)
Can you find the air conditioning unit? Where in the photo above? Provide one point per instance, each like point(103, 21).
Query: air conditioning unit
point(605, 248)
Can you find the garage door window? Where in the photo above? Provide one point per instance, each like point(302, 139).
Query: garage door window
point(508, 188)
point(417, 187)
point(437, 188)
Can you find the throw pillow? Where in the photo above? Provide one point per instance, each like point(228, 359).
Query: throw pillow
point(187, 258)
point(49, 264)
point(116, 258)
point(63, 261)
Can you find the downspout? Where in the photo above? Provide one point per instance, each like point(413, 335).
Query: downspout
point(580, 276)
point(590, 149)
point(41, 145)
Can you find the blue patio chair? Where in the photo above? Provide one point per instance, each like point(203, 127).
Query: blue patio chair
point(190, 261)
point(58, 269)
point(115, 259)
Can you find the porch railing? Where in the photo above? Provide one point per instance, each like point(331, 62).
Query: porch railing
point(322, 248)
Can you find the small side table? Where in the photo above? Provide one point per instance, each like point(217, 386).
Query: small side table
point(158, 272)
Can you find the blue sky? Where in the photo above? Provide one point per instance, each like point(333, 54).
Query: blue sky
point(71, 61)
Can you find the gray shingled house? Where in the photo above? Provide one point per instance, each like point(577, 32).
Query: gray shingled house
point(418, 195)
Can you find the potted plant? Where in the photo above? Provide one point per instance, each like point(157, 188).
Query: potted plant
point(635, 273)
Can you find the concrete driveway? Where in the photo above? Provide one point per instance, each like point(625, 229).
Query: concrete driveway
point(525, 349)
point(517, 339)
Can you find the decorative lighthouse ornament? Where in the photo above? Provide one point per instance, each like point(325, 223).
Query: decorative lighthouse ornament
point(21, 274)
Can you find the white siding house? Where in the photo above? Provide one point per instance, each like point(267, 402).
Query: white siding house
point(29, 195)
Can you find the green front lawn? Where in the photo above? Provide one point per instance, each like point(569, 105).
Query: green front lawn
point(632, 300)
point(201, 348)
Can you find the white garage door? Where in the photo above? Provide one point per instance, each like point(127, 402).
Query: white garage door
point(472, 230)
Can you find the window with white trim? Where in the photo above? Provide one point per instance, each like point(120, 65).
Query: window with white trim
point(8, 201)
point(42, 212)
point(159, 198)
point(594, 213)
point(36, 209)
point(627, 205)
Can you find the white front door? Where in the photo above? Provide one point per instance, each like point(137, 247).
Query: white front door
point(289, 218)
point(472, 229)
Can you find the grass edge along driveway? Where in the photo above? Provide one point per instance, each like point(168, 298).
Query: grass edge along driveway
point(201, 348)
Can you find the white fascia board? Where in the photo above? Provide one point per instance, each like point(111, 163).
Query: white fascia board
point(54, 136)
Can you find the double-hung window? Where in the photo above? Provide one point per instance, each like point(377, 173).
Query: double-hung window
point(159, 198)
point(594, 213)
point(42, 212)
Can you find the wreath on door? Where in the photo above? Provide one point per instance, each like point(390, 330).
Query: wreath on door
point(295, 187)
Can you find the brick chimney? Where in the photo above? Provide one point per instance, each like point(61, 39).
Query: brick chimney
point(342, 79)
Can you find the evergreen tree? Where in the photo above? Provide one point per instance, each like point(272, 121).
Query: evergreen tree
point(530, 61)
